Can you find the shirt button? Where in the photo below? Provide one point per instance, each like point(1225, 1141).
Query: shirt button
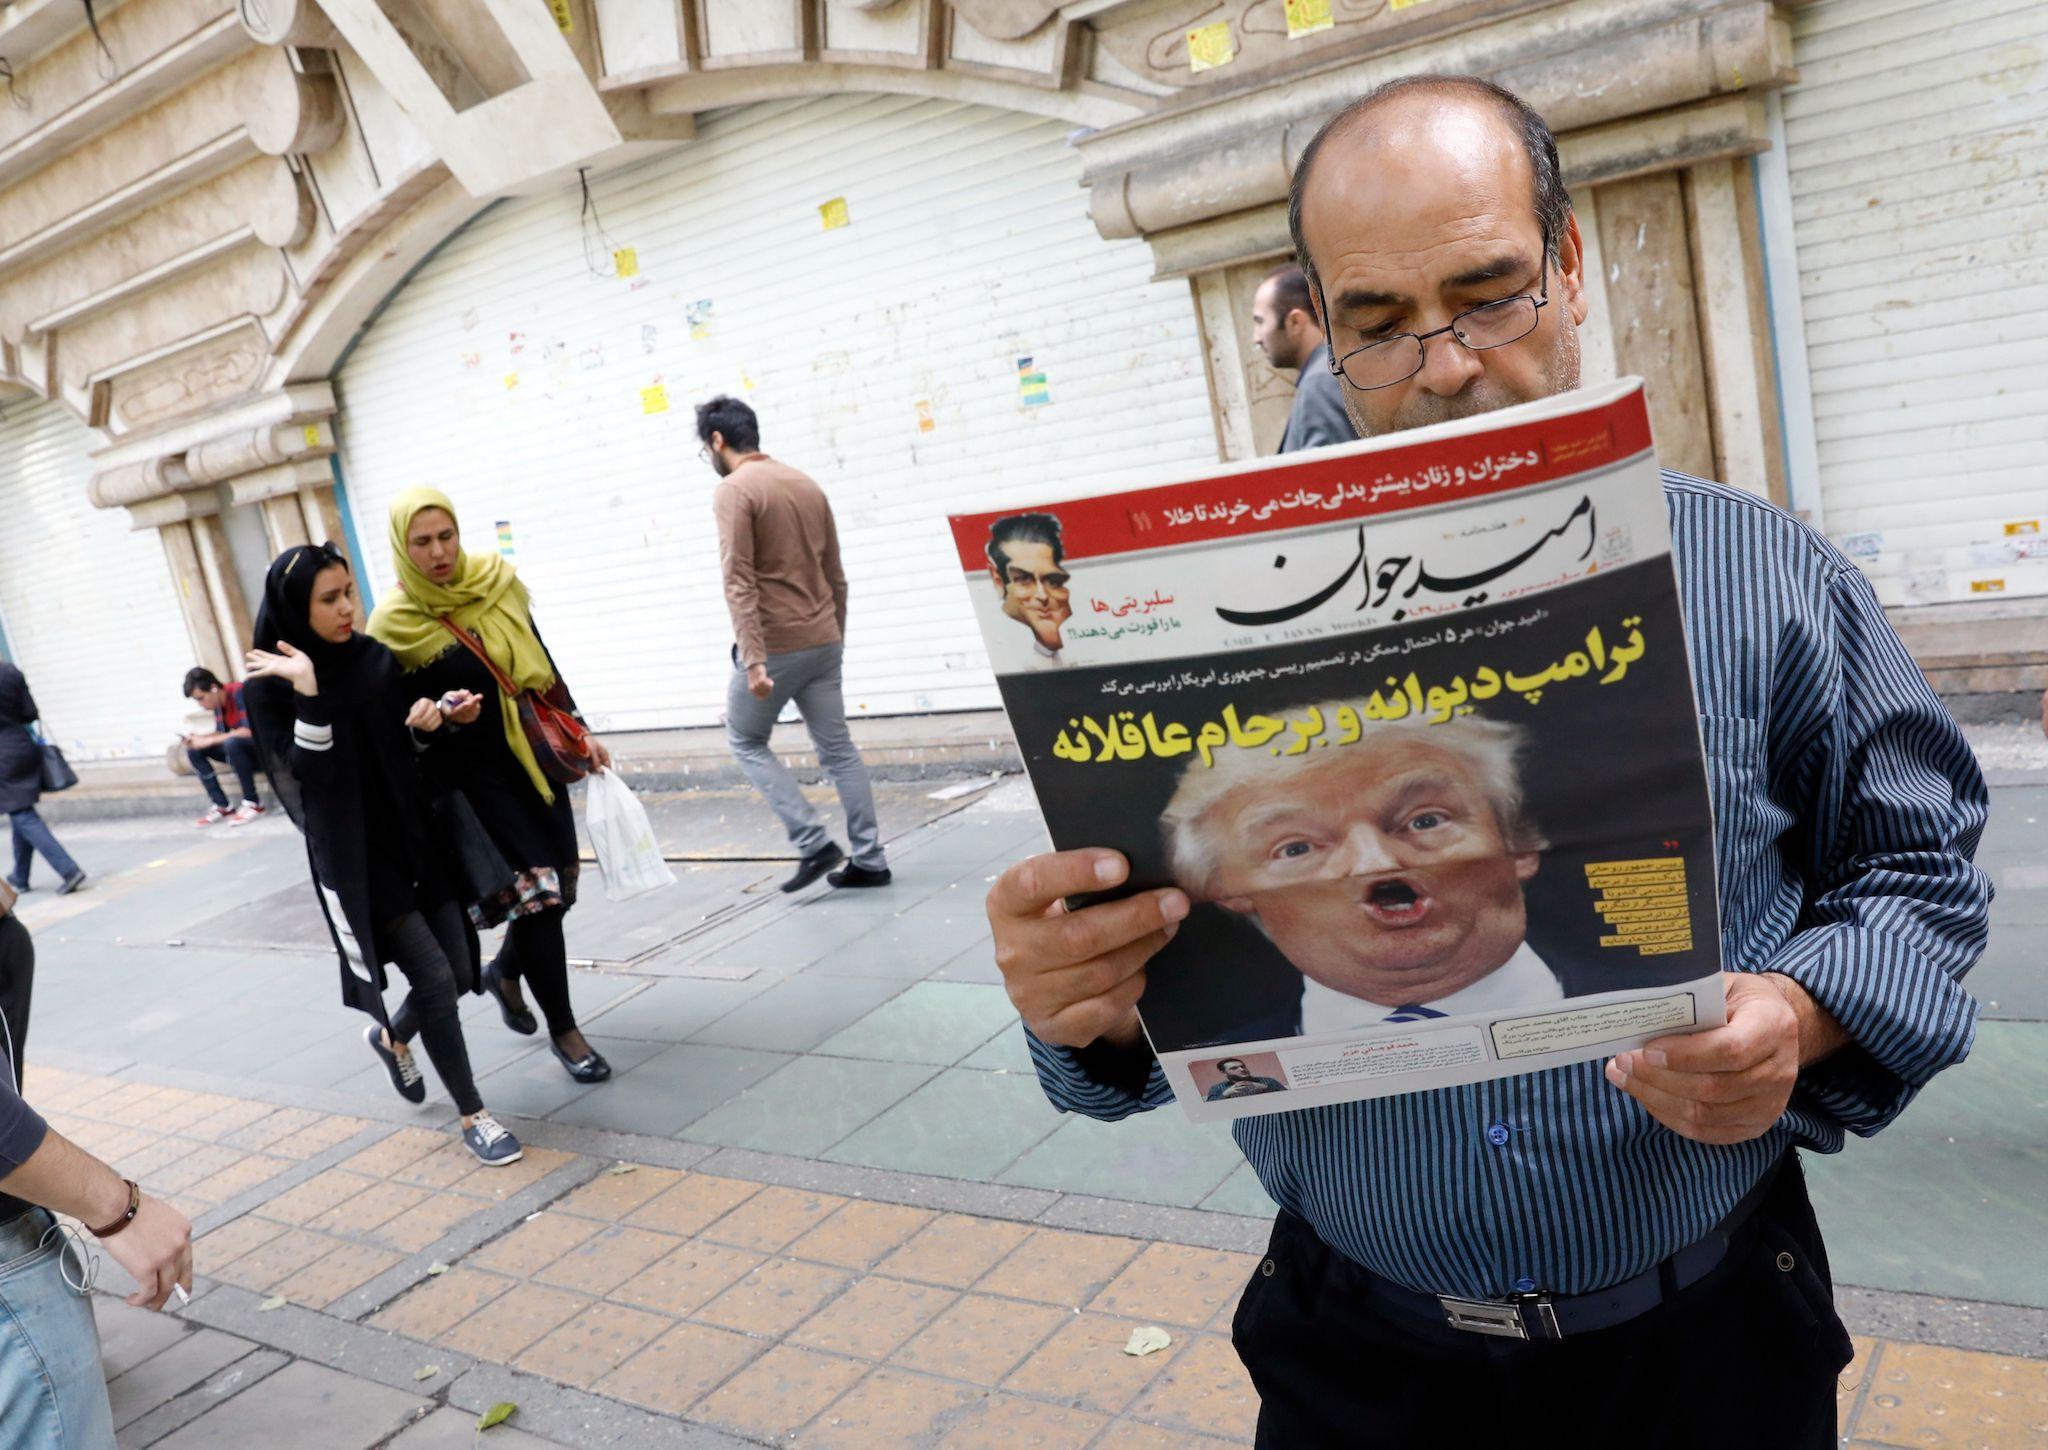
point(1498, 1135)
point(1525, 1285)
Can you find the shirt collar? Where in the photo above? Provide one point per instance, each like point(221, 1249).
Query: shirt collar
point(1523, 980)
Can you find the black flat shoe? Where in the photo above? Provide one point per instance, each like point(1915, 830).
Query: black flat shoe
point(814, 865)
point(405, 1072)
point(858, 875)
point(519, 1021)
point(591, 1069)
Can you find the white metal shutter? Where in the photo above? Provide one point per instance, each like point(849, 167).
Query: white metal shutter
point(1917, 140)
point(89, 610)
point(882, 358)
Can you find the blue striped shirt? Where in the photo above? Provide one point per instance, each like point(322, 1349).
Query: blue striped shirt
point(1847, 808)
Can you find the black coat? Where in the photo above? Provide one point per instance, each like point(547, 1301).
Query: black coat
point(375, 840)
point(21, 755)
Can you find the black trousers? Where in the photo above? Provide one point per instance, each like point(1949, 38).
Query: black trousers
point(535, 953)
point(1746, 1357)
point(432, 950)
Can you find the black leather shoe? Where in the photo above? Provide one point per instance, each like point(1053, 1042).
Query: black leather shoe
point(591, 1069)
point(519, 1021)
point(858, 875)
point(814, 865)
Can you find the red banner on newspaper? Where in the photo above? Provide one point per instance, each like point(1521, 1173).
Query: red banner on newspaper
point(1347, 485)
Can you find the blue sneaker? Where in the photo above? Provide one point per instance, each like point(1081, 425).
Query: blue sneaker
point(405, 1071)
point(493, 1144)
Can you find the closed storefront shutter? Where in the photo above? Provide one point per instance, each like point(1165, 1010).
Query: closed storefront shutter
point(1917, 141)
point(86, 603)
point(908, 291)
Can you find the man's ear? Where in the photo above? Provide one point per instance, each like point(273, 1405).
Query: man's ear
point(1571, 267)
point(996, 577)
point(1526, 865)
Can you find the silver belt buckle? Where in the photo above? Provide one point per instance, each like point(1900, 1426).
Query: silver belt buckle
point(1501, 1318)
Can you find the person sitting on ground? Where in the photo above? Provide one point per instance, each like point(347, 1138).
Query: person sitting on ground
point(230, 743)
point(53, 1388)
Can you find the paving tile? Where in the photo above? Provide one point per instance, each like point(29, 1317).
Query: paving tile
point(250, 1170)
point(1154, 1158)
point(934, 1022)
point(773, 1298)
point(501, 1181)
point(318, 1194)
point(534, 1244)
point(679, 1368)
point(342, 1270)
point(230, 1241)
point(694, 1203)
point(955, 1250)
point(611, 1196)
point(872, 1319)
point(512, 1321)
point(1084, 1362)
point(400, 1150)
point(163, 1377)
point(980, 1339)
point(773, 1218)
point(129, 1336)
point(1849, 1383)
point(196, 1162)
point(1004, 1052)
point(672, 1089)
point(776, 1394)
point(860, 1233)
point(440, 1167)
point(368, 1210)
point(426, 1222)
point(809, 1105)
point(271, 1263)
point(306, 1406)
point(686, 1278)
point(592, 1345)
point(905, 947)
point(1133, 1435)
point(1058, 1266)
point(600, 1264)
point(436, 1306)
point(1923, 1394)
point(534, 1084)
point(1242, 1193)
point(447, 1429)
point(1205, 1388)
point(1001, 1421)
point(677, 1008)
point(796, 1015)
point(890, 1407)
point(1173, 1284)
point(959, 1125)
point(318, 1136)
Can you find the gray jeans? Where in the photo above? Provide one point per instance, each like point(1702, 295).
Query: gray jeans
point(811, 678)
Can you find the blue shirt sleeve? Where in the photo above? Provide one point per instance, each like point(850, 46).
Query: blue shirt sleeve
point(1896, 912)
point(1097, 1081)
point(21, 1128)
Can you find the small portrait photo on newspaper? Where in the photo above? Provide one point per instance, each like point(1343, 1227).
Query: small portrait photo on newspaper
point(1027, 567)
point(1239, 1077)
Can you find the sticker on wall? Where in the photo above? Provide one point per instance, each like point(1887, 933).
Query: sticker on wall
point(1405, 4)
point(650, 336)
point(511, 381)
point(471, 361)
point(1862, 546)
point(626, 262)
point(926, 423)
point(2022, 526)
point(746, 381)
point(517, 341)
point(654, 398)
point(1032, 385)
point(698, 315)
point(590, 359)
point(505, 537)
point(312, 435)
point(565, 18)
point(833, 213)
point(1210, 46)
point(1307, 17)
point(1987, 586)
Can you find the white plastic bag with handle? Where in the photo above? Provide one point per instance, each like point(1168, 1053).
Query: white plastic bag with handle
point(624, 841)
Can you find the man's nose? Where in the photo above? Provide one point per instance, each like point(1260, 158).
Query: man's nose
point(1365, 850)
point(1448, 366)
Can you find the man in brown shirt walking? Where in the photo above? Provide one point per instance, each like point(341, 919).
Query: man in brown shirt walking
point(787, 594)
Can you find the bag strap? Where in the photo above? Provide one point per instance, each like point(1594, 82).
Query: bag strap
point(475, 647)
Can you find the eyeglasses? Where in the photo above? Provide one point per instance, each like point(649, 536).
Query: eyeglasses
point(1025, 579)
point(1396, 359)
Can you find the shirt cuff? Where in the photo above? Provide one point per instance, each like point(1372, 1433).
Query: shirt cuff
point(1906, 1018)
point(1099, 1081)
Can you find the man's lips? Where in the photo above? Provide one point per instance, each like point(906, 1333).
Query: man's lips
point(1396, 903)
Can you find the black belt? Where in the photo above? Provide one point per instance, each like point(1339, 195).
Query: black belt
point(1540, 1315)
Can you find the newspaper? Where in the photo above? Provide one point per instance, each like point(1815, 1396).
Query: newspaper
point(1411, 722)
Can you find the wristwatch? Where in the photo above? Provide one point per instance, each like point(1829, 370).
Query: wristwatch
point(134, 1205)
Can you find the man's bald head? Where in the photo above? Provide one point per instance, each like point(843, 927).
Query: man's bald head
point(1403, 102)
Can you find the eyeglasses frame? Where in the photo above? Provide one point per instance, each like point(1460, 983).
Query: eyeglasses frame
point(1541, 299)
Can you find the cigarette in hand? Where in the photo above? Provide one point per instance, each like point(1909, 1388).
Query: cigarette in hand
point(183, 1297)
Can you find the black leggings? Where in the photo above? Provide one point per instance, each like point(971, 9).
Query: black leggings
point(430, 947)
point(534, 953)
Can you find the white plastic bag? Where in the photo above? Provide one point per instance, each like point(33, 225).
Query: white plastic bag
point(624, 841)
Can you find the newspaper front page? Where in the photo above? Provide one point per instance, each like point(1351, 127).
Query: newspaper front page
point(1411, 722)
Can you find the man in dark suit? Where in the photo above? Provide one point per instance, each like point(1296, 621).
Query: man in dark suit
point(1284, 328)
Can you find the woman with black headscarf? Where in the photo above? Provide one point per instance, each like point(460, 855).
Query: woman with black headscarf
point(329, 709)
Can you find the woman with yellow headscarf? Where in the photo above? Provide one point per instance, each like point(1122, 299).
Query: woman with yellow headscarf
point(487, 758)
